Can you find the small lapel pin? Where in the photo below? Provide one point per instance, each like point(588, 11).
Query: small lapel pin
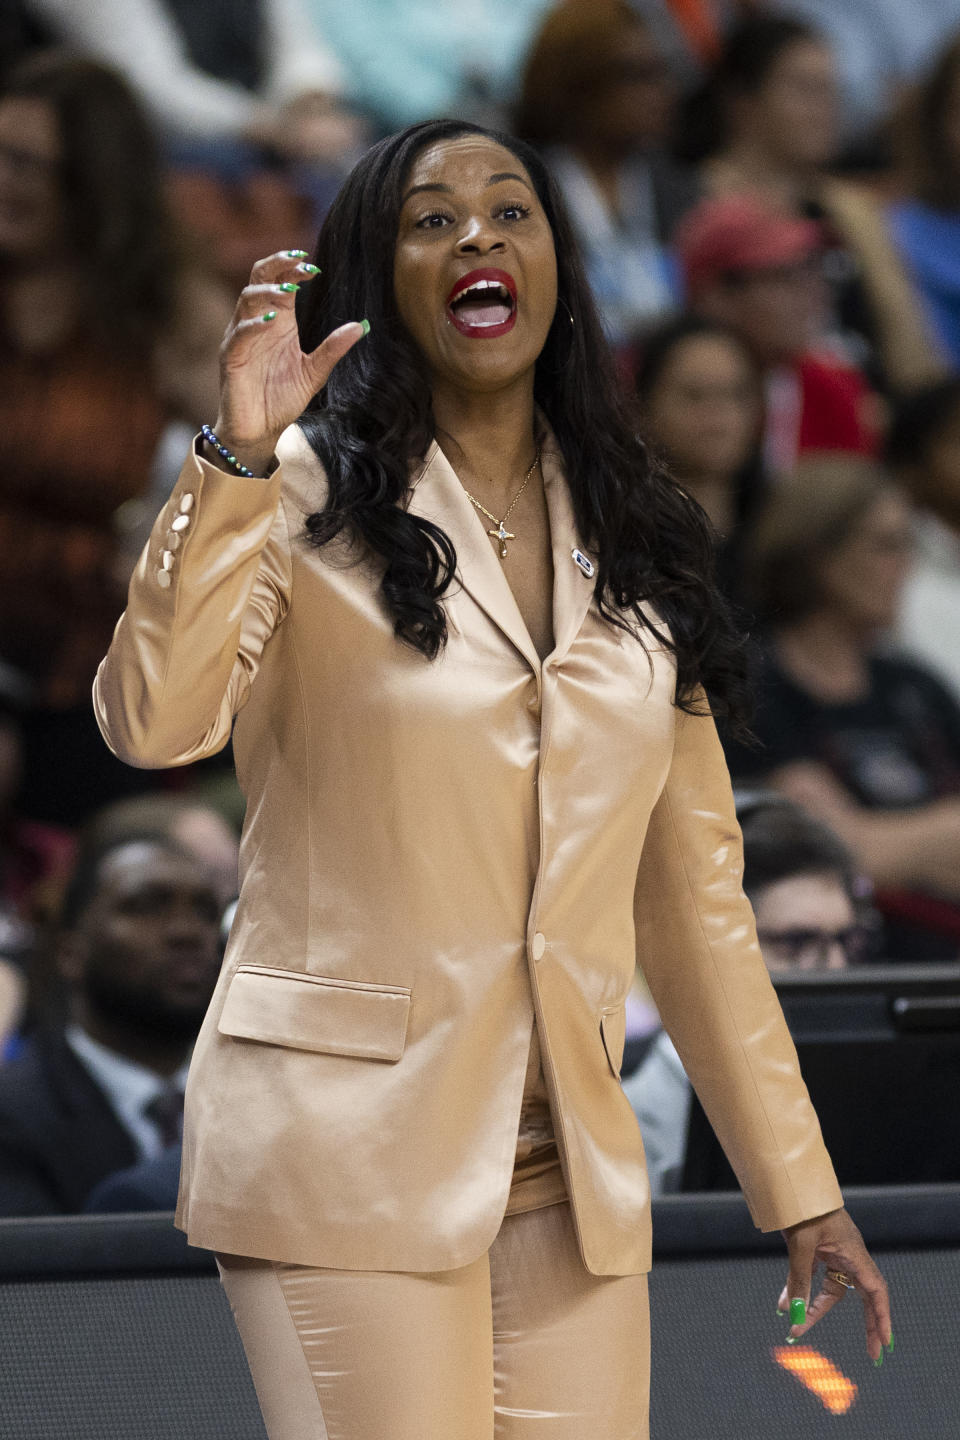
point(585, 564)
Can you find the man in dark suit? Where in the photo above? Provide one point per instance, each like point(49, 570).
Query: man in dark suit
point(138, 951)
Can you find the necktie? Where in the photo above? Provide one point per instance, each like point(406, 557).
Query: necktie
point(166, 1112)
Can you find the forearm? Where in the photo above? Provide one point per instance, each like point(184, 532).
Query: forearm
point(917, 849)
point(205, 596)
point(697, 945)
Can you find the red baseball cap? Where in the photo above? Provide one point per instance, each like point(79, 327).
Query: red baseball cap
point(736, 233)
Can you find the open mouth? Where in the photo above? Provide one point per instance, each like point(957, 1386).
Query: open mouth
point(483, 304)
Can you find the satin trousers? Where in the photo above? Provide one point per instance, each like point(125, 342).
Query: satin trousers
point(523, 1344)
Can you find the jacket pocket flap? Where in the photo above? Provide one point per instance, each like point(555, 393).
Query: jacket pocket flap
point(312, 1012)
point(613, 1028)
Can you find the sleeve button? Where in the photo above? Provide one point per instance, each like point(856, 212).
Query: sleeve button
point(167, 560)
point(164, 579)
point(538, 946)
point(182, 522)
point(186, 503)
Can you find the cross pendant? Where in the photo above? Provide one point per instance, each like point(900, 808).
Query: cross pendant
point(503, 535)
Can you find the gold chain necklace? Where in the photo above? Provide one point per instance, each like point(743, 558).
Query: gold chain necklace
point(502, 533)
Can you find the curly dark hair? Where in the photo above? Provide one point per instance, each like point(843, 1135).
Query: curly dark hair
point(374, 418)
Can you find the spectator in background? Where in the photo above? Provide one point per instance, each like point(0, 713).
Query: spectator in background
point(700, 403)
point(691, 32)
point(18, 866)
point(774, 132)
point(138, 951)
point(926, 222)
point(35, 860)
point(757, 270)
point(107, 332)
point(880, 45)
point(923, 451)
point(800, 879)
point(247, 100)
point(253, 70)
point(411, 62)
point(867, 742)
point(34, 863)
point(597, 97)
point(189, 821)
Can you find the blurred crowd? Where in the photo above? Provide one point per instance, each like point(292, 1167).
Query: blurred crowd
point(767, 195)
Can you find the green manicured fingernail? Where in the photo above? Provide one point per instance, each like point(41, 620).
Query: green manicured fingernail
point(798, 1311)
point(288, 287)
point(879, 1361)
point(890, 1346)
point(295, 254)
point(365, 326)
point(781, 1314)
point(270, 315)
point(309, 269)
point(792, 1339)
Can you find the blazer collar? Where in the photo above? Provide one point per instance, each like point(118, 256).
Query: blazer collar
point(438, 495)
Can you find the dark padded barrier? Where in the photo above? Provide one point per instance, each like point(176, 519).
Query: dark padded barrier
point(112, 1328)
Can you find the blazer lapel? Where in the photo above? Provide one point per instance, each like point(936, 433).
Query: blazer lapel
point(438, 495)
point(572, 589)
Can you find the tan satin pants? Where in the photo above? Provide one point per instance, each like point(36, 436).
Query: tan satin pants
point(524, 1344)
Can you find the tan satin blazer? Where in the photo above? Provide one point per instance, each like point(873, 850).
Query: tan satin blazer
point(434, 853)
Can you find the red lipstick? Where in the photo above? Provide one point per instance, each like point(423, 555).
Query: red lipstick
point(483, 304)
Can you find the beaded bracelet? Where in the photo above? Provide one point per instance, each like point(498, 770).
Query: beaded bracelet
point(222, 450)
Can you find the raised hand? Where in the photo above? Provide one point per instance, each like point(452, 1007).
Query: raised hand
point(266, 380)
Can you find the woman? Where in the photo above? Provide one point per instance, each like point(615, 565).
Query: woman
point(700, 403)
point(93, 288)
point(596, 95)
point(867, 741)
point(445, 768)
point(775, 135)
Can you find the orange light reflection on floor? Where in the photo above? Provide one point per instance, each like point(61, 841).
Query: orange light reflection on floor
point(819, 1375)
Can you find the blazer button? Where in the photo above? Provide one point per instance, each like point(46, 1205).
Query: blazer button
point(538, 946)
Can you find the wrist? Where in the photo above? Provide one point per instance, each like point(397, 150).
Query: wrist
point(242, 454)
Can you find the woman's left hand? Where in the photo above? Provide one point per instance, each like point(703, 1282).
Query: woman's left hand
point(836, 1242)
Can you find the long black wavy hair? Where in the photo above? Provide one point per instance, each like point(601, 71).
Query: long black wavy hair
point(374, 418)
